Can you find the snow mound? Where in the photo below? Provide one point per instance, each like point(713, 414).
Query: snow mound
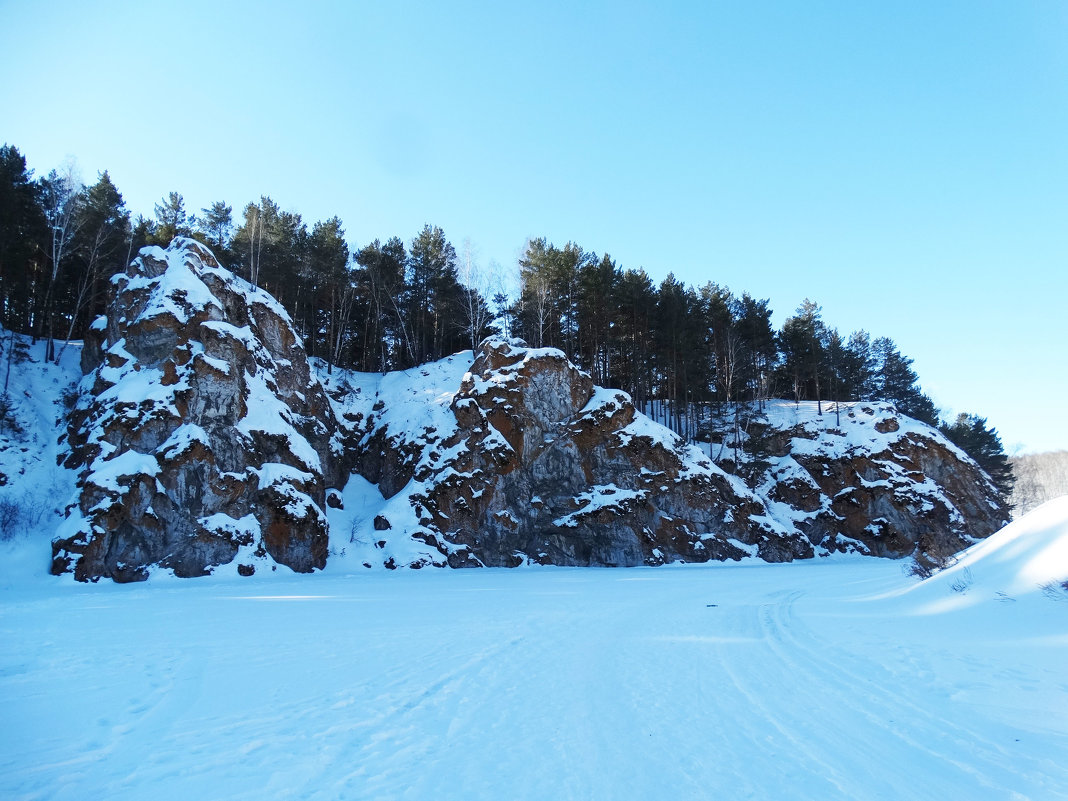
point(1027, 557)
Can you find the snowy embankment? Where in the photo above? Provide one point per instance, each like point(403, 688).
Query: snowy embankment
point(1026, 559)
point(838, 678)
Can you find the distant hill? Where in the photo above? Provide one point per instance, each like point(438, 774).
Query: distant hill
point(1040, 477)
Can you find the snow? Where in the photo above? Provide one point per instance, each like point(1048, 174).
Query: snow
point(834, 678)
point(244, 528)
point(267, 414)
point(176, 291)
point(757, 681)
point(1029, 557)
point(822, 436)
point(182, 439)
point(605, 497)
point(107, 472)
point(35, 489)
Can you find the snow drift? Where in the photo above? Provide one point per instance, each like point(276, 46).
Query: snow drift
point(1026, 558)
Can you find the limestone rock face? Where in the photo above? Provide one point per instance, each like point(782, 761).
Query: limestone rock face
point(533, 463)
point(202, 436)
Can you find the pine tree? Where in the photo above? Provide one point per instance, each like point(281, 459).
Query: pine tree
point(802, 344)
point(635, 300)
point(597, 282)
point(434, 295)
point(216, 228)
point(23, 231)
point(856, 368)
point(328, 259)
point(385, 339)
point(100, 249)
point(895, 381)
point(752, 322)
point(172, 220)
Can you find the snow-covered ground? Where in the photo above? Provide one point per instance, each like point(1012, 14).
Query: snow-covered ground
point(838, 678)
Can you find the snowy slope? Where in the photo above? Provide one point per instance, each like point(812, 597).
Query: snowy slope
point(405, 406)
point(34, 491)
point(1027, 558)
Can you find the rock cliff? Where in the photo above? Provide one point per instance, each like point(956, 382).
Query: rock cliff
point(201, 436)
point(861, 477)
point(528, 461)
point(522, 459)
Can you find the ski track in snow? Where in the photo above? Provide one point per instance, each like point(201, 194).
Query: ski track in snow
point(754, 681)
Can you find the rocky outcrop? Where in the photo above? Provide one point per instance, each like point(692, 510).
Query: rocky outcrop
point(202, 436)
point(864, 478)
point(522, 459)
point(530, 462)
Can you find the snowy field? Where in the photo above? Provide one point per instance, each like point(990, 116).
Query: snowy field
point(839, 678)
point(834, 679)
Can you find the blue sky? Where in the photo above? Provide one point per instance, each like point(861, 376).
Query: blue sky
point(903, 164)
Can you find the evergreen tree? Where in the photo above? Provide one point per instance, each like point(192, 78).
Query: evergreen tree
point(535, 309)
point(635, 300)
point(717, 304)
point(143, 233)
point(216, 227)
point(328, 260)
point(385, 339)
point(172, 220)
point(856, 368)
point(101, 248)
point(597, 282)
point(549, 294)
point(434, 295)
point(895, 381)
point(752, 322)
point(23, 231)
point(801, 342)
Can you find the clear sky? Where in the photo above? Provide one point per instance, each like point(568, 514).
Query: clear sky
point(903, 164)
